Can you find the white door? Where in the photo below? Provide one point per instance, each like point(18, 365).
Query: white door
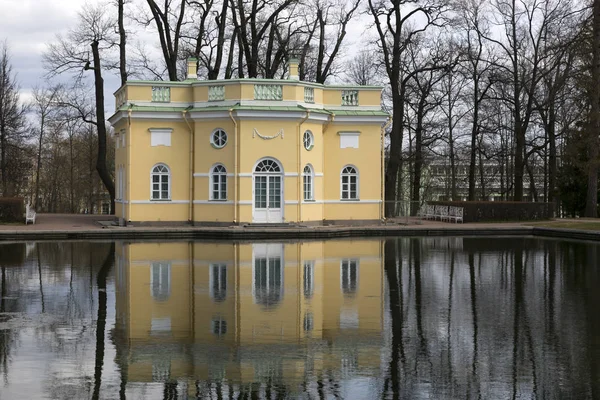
point(267, 273)
point(267, 192)
point(267, 199)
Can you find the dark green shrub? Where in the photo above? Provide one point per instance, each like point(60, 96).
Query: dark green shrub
point(12, 209)
point(477, 211)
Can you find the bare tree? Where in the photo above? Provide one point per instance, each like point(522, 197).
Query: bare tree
point(591, 201)
point(169, 21)
point(397, 23)
point(363, 69)
point(70, 55)
point(257, 24)
point(44, 106)
point(12, 124)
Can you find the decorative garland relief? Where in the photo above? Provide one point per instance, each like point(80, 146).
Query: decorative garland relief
point(256, 133)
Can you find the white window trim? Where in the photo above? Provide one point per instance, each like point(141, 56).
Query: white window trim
point(212, 141)
point(349, 260)
point(357, 198)
point(211, 175)
point(311, 175)
point(212, 266)
point(160, 265)
point(160, 190)
point(312, 140)
point(158, 131)
point(352, 134)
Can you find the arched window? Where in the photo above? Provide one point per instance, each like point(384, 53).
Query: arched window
point(307, 177)
point(218, 183)
point(161, 183)
point(349, 183)
point(267, 165)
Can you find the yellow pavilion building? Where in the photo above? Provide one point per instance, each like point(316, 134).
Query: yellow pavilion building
point(241, 151)
point(248, 312)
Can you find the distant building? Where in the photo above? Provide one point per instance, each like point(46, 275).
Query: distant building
point(496, 184)
point(247, 150)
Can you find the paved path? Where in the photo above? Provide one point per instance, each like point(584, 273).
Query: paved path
point(58, 222)
point(74, 222)
point(88, 227)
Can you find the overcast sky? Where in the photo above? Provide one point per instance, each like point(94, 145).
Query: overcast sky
point(28, 25)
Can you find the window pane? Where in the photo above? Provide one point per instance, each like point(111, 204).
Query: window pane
point(155, 178)
point(165, 194)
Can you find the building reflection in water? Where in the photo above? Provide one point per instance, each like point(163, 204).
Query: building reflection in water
point(248, 317)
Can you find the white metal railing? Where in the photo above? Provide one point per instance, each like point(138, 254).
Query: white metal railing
point(161, 94)
point(268, 92)
point(349, 97)
point(309, 95)
point(216, 93)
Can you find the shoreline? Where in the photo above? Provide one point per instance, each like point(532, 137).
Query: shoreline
point(290, 233)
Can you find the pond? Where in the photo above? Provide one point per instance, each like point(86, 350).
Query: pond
point(405, 318)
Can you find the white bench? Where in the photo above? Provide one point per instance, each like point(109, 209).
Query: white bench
point(455, 214)
point(29, 214)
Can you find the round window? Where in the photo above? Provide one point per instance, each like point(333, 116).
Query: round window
point(309, 140)
point(218, 138)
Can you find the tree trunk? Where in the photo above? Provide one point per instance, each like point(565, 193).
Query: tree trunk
point(418, 165)
point(101, 127)
point(3, 163)
point(122, 43)
point(393, 166)
point(36, 199)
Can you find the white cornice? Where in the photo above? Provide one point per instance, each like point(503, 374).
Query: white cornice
point(360, 119)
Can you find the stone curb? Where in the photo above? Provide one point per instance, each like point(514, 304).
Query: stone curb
point(236, 233)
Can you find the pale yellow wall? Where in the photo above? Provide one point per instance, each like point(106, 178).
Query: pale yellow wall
point(326, 159)
point(182, 94)
point(141, 93)
point(247, 92)
point(200, 93)
point(176, 157)
point(292, 93)
point(233, 92)
point(332, 97)
point(369, 170)
point(369, 98)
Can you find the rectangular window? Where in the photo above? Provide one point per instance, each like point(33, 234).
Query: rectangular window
point(218, 282)
point(349, 276)
point(216, 93)
point(219, 186)
point(309, 95)
point(268, 92)
point(161, 94)
point(349, 97)
point(309, 278)
point(349, 140)
point(308, 193)
point(160, 280)
point(160, 137)
point(308, 322)
point(349, 187)
point(219, 326)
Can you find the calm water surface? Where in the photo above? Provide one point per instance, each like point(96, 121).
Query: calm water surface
point(409, 318)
